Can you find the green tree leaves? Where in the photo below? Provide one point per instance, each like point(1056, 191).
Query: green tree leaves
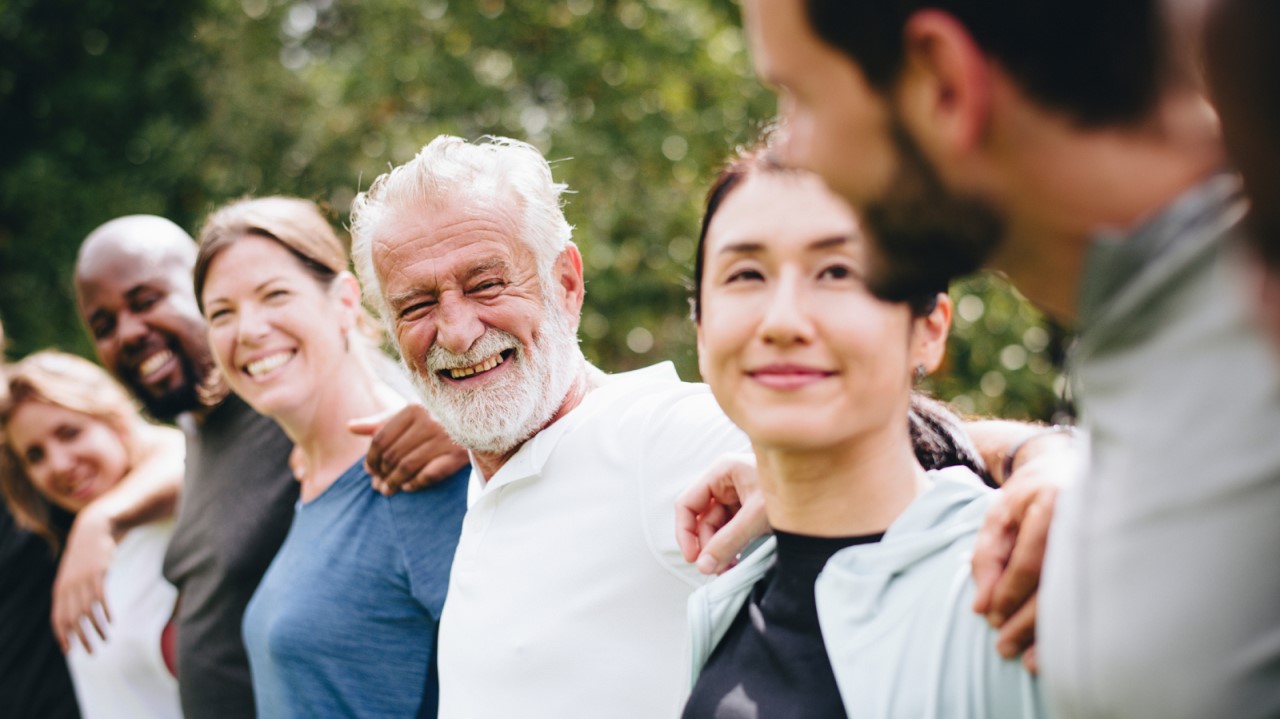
point(173, 108)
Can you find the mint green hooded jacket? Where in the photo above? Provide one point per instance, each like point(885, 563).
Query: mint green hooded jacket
point(896, 615)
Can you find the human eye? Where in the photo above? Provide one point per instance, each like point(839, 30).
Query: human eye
point(67, 432)
point(33, 456)
point(488, 287)
point(416, 309)
point(838, 271)
point(144, 301)
point(746, 274)
point(217, 315)
point(102, 327)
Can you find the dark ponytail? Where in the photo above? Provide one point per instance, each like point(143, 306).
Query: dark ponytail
point(939, 439)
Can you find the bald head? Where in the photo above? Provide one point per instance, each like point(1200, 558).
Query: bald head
point(133, 290)
point(136, 236)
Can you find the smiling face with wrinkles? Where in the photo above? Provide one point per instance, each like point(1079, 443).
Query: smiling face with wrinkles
point(489, 340)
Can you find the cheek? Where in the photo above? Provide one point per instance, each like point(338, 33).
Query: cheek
point(795, 143)
point(882, 347)
point(414, 339)
point(39, 477)
point(107, 449)
point(221, 342)
point(106, 352)
point(725, 333)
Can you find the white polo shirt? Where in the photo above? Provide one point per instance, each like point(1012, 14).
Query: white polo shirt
point(568, 593)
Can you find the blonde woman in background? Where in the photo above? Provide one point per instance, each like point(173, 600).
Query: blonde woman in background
point(68, 435)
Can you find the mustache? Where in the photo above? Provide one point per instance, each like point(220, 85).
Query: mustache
point(492, 342)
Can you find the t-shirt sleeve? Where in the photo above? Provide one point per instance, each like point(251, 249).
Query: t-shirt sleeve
point(682, 439)
point(427, 524)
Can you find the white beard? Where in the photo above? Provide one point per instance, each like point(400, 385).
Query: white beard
point(503, 414)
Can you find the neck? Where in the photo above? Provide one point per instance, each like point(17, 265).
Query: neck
point(588, 378)
point(319, 428)
point(1110, 179)
point(855, 489)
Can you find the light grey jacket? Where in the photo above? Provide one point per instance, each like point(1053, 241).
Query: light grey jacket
point(896, 615)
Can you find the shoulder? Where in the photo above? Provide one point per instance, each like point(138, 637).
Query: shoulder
point(958, 494)
point(433, 509)
point(653, 385)
point(655, 397)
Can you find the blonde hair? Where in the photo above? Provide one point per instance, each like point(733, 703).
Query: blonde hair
point(72, 383)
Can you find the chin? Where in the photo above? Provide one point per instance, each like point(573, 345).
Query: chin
point(790, 441)
point(790, 431)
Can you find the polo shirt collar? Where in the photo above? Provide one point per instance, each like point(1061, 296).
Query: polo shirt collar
point(528, 461)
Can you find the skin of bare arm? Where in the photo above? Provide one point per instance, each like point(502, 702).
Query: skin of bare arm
point(409, 450)
point(148, 492)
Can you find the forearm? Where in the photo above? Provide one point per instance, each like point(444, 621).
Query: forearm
point(1006, 445)
point(993, 438)
point(150, 490)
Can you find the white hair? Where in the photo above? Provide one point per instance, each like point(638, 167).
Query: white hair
point(450, 170)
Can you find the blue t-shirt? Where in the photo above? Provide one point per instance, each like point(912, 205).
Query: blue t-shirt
point(344, 622)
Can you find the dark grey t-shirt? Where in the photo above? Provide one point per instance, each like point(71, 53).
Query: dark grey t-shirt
point(237, 502)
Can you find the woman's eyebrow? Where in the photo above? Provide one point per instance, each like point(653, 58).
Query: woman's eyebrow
point(829, 242)
point(742, 248)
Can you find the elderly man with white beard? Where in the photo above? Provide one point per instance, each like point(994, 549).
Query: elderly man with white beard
point(568, 592)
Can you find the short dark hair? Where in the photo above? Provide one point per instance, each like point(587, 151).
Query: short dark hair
point(1101, 62)
point(1240, 57)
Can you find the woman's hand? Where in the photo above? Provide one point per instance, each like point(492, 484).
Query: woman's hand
point(149, 492)
point(78, 589)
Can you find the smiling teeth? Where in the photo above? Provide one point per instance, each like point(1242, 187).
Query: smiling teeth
point(485, 366)
point(260, 367)
point(154, 362)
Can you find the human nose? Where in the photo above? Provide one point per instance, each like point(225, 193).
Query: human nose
point(251, 325)
point(60, 459)
point(457, 326)
point(786, 319)
point(131, 330)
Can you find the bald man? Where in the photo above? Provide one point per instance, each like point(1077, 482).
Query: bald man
point(134, 293)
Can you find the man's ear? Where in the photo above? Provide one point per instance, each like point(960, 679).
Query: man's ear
point(944, 92)
point(929, 335)
point(568, 275)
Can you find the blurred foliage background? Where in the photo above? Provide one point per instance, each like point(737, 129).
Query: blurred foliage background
point(171, 108)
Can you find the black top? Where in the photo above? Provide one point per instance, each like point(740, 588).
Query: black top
point(34, 683)
point(772, 663)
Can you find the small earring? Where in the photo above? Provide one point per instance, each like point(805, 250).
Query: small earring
point(346, 341)
point(920, 372)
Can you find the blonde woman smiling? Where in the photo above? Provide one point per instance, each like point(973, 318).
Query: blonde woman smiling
point(70, 435)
